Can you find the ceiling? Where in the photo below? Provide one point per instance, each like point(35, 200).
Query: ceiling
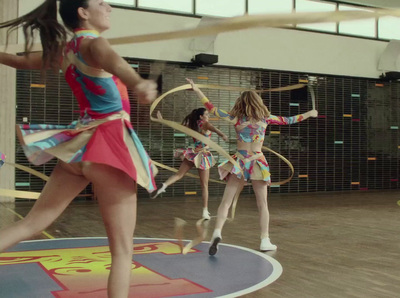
point(374, 3)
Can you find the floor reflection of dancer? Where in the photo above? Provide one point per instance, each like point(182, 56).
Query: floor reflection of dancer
point(250, 117)
point(102, 146)
point(2, 159)
point(199, 156)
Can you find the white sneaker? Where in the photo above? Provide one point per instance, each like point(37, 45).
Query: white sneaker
point(266, 245)
point(159, 191)
point(214, 246)
point(206, 214)
point(215, 239)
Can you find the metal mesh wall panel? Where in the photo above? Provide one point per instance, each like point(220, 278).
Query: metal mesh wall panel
point(354, 144)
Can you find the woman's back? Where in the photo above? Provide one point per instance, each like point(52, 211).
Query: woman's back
point(250, 132)
point(254, 131)
point(98, 92)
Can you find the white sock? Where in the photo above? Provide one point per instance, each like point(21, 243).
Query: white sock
point(159, 191)
point(217, 233)
point(163, 187)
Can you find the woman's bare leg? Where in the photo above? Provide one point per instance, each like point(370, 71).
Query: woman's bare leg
point(204, 177)
point(234, 184)
point(116, 193)
point(183, 169)
point(261, 191)
point(64, 185)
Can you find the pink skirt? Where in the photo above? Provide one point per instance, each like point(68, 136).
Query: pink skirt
point(111, 141)
point(202, 159)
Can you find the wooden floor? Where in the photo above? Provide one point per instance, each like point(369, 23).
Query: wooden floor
point(329, 244)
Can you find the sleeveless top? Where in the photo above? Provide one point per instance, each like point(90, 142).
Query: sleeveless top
point(98, 92)
point(198, 144)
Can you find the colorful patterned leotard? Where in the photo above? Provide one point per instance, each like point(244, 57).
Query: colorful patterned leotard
point(199, 155)
point(253, 164)
point(103, 134)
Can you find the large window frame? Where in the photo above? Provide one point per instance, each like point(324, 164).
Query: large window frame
point(384, 36)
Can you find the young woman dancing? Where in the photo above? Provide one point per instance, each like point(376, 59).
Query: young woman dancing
point(250, 118)
point(101, 147)
point(199, 156)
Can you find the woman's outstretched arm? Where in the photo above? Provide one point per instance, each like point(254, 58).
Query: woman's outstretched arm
point(280, 120)
point(209, 106)
point(29, 61)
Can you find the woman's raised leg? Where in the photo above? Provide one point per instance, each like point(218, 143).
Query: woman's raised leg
point(65, 183)
point(183, 169)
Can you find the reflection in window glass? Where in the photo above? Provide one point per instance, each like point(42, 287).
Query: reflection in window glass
point(183, 6)
point(365, 27)
point(220, 8)
point(270, 6)
point(312, 6)
point(123, 2)
point(389, 28)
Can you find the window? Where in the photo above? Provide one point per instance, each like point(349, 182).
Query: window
point(312, 6)
point(231, 8)
point(366, 27)
point(123, 2)
point(221, 8)
point(389, 28)
point(270, 6)
point(182, 6)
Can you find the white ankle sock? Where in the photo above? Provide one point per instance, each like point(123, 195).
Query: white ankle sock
point(159, 191)
point(217, 233)
point(163, 187)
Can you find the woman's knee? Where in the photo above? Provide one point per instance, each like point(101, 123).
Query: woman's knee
point(225, 205)
point(204, 186)
point(262, 204)
point(179, 176)
point(121, 245)
point(126, 250)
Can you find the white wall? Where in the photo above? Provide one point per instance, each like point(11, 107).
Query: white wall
point(270, 48)
point(8, 9)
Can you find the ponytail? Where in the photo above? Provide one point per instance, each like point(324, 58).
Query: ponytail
point(53, 35)
point(191, 119)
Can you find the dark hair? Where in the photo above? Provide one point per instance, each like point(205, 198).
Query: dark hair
point(53, 35)
point(191, 119)
point(69, 12)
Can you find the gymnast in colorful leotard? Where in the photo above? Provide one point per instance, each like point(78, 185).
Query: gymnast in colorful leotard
point(101, 147)
point(199, 156)
point(250, 118)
